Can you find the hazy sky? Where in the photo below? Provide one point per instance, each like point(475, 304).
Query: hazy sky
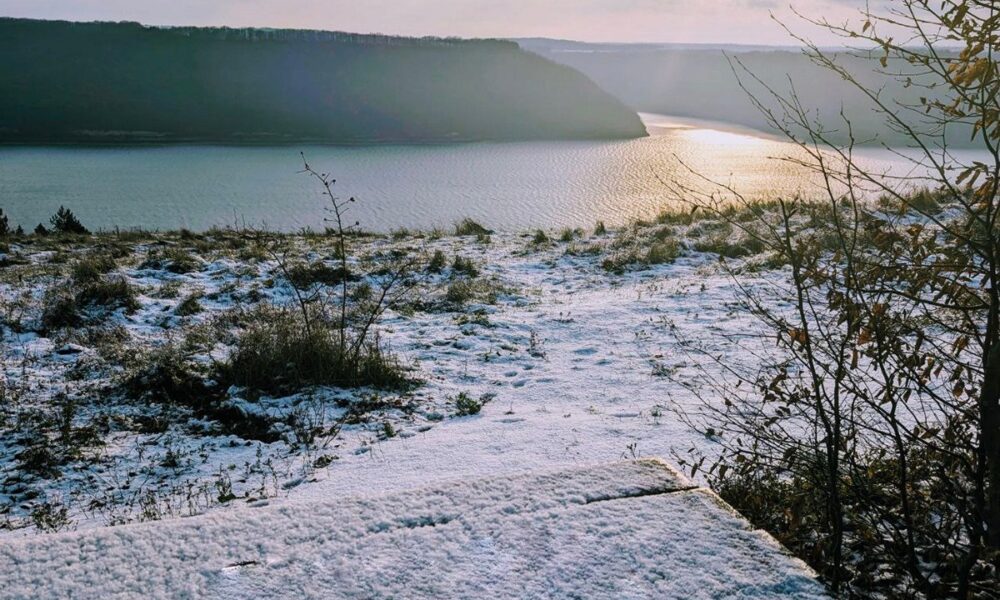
point(715, 21)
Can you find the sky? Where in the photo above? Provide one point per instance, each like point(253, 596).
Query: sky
point(683, 21)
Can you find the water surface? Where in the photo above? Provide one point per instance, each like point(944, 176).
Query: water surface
point(507, 186)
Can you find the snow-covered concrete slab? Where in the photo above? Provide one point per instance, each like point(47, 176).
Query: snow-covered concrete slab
point(630, 529)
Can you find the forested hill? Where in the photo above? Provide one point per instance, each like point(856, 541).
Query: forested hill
point(120, 82)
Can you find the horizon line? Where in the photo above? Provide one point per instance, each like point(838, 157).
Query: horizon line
point(511, 38)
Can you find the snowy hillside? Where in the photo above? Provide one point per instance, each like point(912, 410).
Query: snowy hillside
point(529, 354)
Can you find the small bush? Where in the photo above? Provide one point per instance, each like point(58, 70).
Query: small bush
point(163, 375)
point(64, 221)
point(724, 246)
point(166, 376)
point(131, 235)
point(460, 292)
point(616, 264)
point(600, 228)
point(437, 262)
point(169, 290)
point(567, 235)
point(41, 231)
point(924, 201)
point(189, 306)
point(470, 227)
point(304, 276)
point(463, 291)
point(91, 267)
point(464, 266)
point(279, 355)
point(466, 406)
point(50, 517)
point(174, 260)
point(540, 238)
point(630, 250)
point(4, 225)
point(60, 310)
point(39, 459)
point(675, 217)
point(362, 292)
point(663, 252)
point(110, 293)
point(181, 261)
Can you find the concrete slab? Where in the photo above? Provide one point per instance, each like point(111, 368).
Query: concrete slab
point(634, 529)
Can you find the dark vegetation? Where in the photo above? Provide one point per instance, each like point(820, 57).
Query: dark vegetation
point(64, 221)
point(279, 354)
point(89, 295)
point(470, 227)
point(120, 82)
point(466, 405)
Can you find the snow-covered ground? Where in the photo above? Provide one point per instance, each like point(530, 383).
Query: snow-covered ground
point(600, 384)
point(577, 365)
point(631, 529)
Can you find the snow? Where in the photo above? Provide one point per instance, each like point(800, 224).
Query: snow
point(579, 366)
point(595, 389)
point(630, 529)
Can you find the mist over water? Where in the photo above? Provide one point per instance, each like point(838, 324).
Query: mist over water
point(506, 186)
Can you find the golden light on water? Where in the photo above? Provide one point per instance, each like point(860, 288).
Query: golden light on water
point(724, 139)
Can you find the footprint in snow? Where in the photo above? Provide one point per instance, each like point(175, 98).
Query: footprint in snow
point(585, 351)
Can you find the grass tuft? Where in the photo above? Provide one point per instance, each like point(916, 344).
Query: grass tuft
point(469, 227)
point(464, 266)
point(278, 354)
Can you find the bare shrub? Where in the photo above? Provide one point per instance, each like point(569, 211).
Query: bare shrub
point(870, 441)
point(330, 337)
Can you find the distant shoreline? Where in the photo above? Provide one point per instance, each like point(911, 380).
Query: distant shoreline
point(154, 142)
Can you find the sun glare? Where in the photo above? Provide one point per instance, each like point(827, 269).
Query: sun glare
point(714, 137)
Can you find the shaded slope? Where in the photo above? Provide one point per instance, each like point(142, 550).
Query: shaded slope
point(64, 81)
point(699, 82)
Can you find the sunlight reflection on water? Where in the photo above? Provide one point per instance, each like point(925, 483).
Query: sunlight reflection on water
point(509, 186)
